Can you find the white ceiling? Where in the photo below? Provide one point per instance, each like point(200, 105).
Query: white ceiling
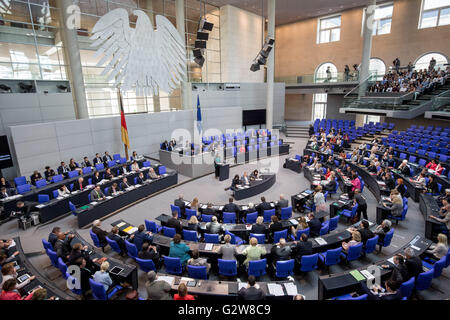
point(288, 11)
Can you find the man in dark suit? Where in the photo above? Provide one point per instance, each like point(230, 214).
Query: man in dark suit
point(210, 211)
point(97, 194)
point(141, 178)
point(389, 181)
point(107, 157)
point(113, 189)
point(114, 235)
point(365, 232)
point(62, 245)
point(124, 184)
point(231, 207)
point(97, 159)
point(314, 225)
point(280, 252)
point(101, 234)
point(180, 203)
point(80, 184)
point(263, 206)
point(63, 169)
point(303, 247)
point(53, 236)
point(139, 237)
point(149, 252)
point(4, 193)
point(24, 208)
point(282, 203)
point(392, 291)
point(252, 291)
point(175, 223)
point(413, 264)
point(86, 163)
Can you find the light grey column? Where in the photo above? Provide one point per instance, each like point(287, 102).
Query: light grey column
point(180, 18)
point(270, 63)
point(367, 47)
point(73, 60)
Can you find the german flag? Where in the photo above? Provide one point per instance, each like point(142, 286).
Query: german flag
point(123, 128)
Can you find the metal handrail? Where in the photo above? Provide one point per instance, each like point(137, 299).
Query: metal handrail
point(365, 80)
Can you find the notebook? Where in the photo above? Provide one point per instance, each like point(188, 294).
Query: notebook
point(357, 275)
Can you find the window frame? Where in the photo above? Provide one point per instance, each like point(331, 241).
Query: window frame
point(377, 20)
point(319, 30)
point(429, 10)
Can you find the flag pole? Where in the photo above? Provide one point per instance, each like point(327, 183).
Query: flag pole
point(122, 110)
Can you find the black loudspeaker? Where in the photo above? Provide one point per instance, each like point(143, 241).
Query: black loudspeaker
point(262, 60)
point(202, 35)
point(255, 67)
point(197, 53)
point(205, 25)
point(271, 41)
point(200, 44)
point(200, 61)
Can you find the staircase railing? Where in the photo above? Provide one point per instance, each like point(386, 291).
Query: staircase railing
point(441, 100)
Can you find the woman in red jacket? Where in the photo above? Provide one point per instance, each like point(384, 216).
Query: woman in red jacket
point(438, 170)
point(431, 165)
point(10, 291)
point(182, 293)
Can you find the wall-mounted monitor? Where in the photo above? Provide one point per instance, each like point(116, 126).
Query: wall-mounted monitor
point(5, 154)
point(254, 117)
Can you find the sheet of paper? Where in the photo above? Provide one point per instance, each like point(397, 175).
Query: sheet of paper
point(391, 260)
point(320, 241)
point(208, 246)
point(275, 289)
point(241, 285)
point(293, 221)
point(291, 289)
point(169, 280)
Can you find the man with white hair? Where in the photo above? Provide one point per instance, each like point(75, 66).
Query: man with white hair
point(413, 263)
point(157, 289)
point(101, 234)
point(180, 203)
point(282, 203)
point(383, 229)
point(404, 168)
point(281, 252)
point(214, 227)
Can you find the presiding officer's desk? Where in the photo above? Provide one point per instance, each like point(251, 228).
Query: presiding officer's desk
point(98, 209)
point(40, 281)
point(188, 165)
point(9, 204)
point(228, 290)
point(344, 283)
point(129, 272)
point(256, 187)
point(429, 207)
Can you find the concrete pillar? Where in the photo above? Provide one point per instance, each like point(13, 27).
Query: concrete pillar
point(155, 97)
point(270, 63)
point(180, 18)
point(367, 47)
point(72, 58)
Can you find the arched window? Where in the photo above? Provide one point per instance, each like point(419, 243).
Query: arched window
point(377, 66)
point(322, 75)
point(424, 61)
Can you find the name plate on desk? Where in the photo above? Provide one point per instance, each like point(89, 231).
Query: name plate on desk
point(321, 241)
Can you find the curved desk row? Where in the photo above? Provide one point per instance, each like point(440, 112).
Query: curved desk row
point(40, 281)
point(344, 283)
point(256, 187)
point(98, 209)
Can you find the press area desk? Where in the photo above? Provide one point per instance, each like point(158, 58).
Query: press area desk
point(27, 268)
point(429, 207)
point(344, 283)
point(332, 241)
point(91, 212)
point(223, 290)
point(293, 164)
point(129, 273)
point(55, 207)
point(256, 187)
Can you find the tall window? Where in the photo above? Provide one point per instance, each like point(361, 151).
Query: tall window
point(326, 72)
point(319, 106)
point(382, 19)
point(424, 61)
point(377, 66)
point(434, 13)
point(329, 29)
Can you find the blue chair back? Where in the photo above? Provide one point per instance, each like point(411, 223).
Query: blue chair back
point(279, 234)
point(62, 267)
point(169, 232)
point(162, 170)
point(175, 208)
point(132, 251)
point(146, 164)
point(333, 256)
point(371, 245)
point(257, 268)
point(325, 228)
point(229, 217)
point(95, 239)
point(407, 287)
point(146, 265)
point(53, 258)
point(87, 170)
point(260, 237)
point(113, 244)
point(24, 188)
point(73, 281)
point(333, 223)
point(354, 252)
point(73, 208)
point(99, 166)
point(424, 280)
point(251, 217)
point(111, 163)
point(98, 290)
point(73, 174)
point(20, 181)
point(151, 226)
point(190, 235)
point(42, 198)
point(41, 183)
point(197, 272)
point(116, 156)
point(227, 268)
point(268, 215)
point(211, 238)
point(286, 213)
point(284, 268)
point(309, 262)
point(438, 267)
point(447, 259)
point(388, 238)
point(206, 217)
point(190, 213)
point(173, 265)
point(47, 245)
point(55, 194)
point(349, 297)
